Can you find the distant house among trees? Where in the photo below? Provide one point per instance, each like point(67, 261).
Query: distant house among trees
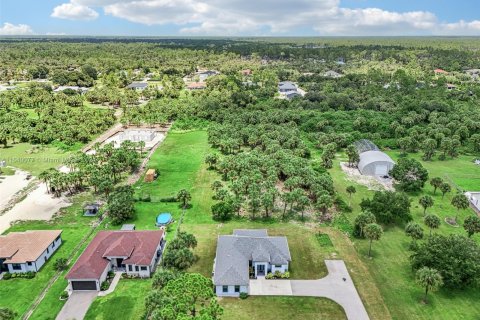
point(138, 86)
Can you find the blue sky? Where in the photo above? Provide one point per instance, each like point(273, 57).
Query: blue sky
point(240, 17)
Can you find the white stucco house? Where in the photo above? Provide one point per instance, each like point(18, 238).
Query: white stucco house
point(28, 251)
point(134, 252)
point(244, 255)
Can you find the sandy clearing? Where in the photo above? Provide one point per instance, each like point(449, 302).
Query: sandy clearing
point(372, 183)
point(10, 185)
point(38, 205)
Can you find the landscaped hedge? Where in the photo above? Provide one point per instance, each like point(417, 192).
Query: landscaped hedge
point(25, 275)
point(277, 275)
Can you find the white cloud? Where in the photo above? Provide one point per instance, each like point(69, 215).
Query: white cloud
point(10, 29)
point(55, 34)
point(230, 17)
point(74, 11)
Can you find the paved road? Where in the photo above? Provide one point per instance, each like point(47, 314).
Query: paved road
point(77, 305)
point(337, 286)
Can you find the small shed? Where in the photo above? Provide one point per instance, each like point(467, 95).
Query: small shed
point(91, 209)
point(150, 175)
point(128, 227)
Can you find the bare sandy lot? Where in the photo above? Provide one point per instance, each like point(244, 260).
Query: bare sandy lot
point(372, 183)
point(10, 185)
point(38, 205)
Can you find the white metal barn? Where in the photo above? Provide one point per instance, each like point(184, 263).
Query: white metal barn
point(373, 162)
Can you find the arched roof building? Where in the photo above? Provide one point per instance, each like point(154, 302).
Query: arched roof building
point(373, 162)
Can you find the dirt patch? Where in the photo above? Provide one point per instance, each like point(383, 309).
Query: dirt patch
point(10, 187)
point(372, 183)
point(37, 205)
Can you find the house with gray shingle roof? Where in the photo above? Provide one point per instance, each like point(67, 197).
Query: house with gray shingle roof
point(244, 255)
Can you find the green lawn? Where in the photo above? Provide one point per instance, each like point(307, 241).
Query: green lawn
point(274, 308)
point(33, 159)
point(390, 265)
point(126, 302)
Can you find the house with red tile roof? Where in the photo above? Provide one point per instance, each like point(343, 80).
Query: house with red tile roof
point(440, 71)
point(134, 252)
point(28, 251)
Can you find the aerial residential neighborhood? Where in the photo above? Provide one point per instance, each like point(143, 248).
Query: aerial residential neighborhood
point(236, 160)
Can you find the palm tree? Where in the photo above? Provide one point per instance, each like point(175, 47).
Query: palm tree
point(425, 202)
point(415, 231)
point(350, 190)
point(460, 201)
point(432, 221)
point(372, 232)
point(184, 197)
point(430, 279)
point(436, 183)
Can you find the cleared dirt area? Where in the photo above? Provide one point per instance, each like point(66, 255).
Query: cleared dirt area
point(37, 205)
point(372, 183)
point(10, 186)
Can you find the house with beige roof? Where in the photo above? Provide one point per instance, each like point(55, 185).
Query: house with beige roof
point(28, 251)
point(134, 252)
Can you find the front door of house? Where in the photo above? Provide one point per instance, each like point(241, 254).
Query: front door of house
point(261, 270)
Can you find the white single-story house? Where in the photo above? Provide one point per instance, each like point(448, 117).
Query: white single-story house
point(332, 74)
point(373, 162)
point(247, 254)
point(28, 251)
point(134, 252)
point(287, 86)
point(138, 86)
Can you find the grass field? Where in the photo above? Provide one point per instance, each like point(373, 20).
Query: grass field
point(390, 265)
point(32, 159)
point(274, 308)
point(126, 302)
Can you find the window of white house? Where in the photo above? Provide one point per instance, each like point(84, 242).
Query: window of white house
point(143, 268)
point(16, 266)
point(136, 268)
point(237, 288)
point(29, 263)
point(130, 268)
point(278, 266)
point(225, 289)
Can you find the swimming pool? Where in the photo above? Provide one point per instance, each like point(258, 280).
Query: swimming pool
point(163, 219)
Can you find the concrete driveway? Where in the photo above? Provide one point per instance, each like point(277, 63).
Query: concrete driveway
point(337, 286)
point(77, 305)
point(262, 287)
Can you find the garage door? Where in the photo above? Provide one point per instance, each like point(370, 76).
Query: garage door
point(381, 169)
point(84, 285)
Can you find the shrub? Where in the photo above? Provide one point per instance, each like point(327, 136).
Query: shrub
point(7, 276)
point(30, 275)
point(104, 286)
point(277, 274)
point(60, 264)
point(342, 205)
point(269, 276)
point(168, 199)
point(286, 275)
point(110, 274)
point(243, 295)
point(64, 295)
point(222, 211)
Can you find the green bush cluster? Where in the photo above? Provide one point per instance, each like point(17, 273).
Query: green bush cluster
point(23, 275)
point(278, 275)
